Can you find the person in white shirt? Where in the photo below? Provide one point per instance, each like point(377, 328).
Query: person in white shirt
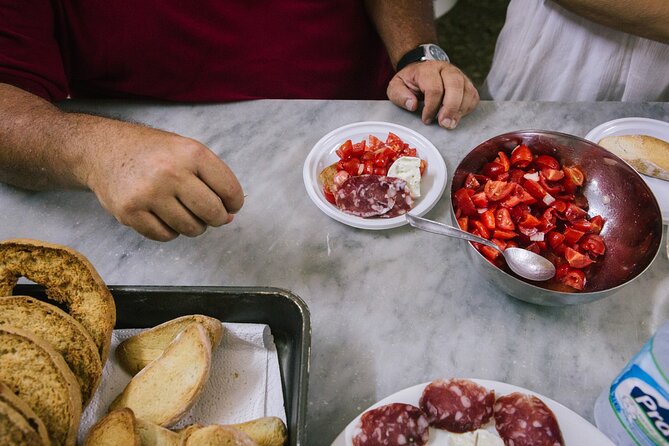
point(582, 50)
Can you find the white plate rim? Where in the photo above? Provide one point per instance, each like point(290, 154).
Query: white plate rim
point(436, 170)
point(637, 125)
point(576, 430)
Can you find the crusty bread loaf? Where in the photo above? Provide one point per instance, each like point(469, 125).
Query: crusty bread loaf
point(137, 352)
point(648, 155)
point(69, 278)
point(36, 373)
point(164, 390)
point(118, 428)
point(152, 434)
point(216, 435)
point(67, 336)
point(8, 397)
point(15, 430)
point(266, 431)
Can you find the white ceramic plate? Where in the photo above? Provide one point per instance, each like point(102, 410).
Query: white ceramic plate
point(639, 126)
point(576, 431)
point(323, 154)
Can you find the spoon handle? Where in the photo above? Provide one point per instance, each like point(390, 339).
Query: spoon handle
point(449, 231)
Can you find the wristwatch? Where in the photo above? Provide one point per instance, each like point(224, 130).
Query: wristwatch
point(428, 51)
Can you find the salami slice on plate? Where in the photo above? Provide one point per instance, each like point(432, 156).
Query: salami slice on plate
point(373, 195)
point(524, 420)
point(395, 424)
point(403, 200)
point(457, 405)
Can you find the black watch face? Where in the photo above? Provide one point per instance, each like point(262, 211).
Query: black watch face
point(436, 52)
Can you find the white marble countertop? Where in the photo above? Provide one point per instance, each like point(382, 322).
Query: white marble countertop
point(389, 309)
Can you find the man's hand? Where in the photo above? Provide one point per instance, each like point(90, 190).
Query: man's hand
point(159, 183)
point(447, 93)
point(162, 184)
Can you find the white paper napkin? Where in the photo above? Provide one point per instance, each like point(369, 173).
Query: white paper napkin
point(244, 384)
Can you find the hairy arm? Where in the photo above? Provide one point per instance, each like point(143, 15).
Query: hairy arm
point(33, 138)
point(644, 18)
point(448, 94)
point(159, 183)
point(403, 24)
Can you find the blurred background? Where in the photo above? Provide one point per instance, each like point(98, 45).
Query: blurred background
point(467, 30)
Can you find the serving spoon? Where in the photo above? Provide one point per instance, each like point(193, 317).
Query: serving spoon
point(521, 261)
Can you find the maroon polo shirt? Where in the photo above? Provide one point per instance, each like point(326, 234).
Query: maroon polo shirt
point(193, 51)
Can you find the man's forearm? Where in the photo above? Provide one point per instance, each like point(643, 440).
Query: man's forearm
point(402, 24)
point(645, 18)
point(34, 149)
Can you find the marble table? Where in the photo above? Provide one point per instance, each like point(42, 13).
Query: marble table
point(389, 309)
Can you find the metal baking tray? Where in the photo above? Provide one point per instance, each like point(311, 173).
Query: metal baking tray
point(286, 314)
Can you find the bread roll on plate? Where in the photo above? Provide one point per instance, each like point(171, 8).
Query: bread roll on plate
point(648, 155)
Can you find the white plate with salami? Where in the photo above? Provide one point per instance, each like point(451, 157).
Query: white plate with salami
point(575, 430)
point(373, 148)
point(639, 126)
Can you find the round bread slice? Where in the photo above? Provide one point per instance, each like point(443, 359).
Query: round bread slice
point(137, 352)
point(118, 428)
point(15, 429)
point(37, 374)
point(8, 397)
point(67, 336)
point(163, 391)
point(69, 279)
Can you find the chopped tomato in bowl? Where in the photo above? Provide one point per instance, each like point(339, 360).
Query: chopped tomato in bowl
point(564, 198)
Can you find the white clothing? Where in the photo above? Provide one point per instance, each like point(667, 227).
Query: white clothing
point(546, 53)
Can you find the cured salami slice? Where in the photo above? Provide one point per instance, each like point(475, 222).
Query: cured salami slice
point(373, 195)
point(524, 420)
point(394, 424)
point(403, 199)
point(457, 405)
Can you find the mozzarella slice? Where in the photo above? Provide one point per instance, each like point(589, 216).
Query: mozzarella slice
point(408, 169)
point(466, 439)
point(486, 438)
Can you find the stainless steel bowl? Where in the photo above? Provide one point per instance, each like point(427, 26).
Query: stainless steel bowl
point(633, 228)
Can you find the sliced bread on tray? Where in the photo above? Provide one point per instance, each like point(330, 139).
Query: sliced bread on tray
point(118, 428)
point(69, 279)
point(137, 352)
point(165, 390)
point(67, 336)
point(8, 397)
point(216, 435)
point(15, 430)
point(36, 373)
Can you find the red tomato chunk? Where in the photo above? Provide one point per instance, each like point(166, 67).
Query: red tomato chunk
point(521, 199)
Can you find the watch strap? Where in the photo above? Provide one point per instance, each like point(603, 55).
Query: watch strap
point(418, 54)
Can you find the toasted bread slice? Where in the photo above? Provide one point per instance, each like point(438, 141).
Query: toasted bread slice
point(8, 397)
point(266, 431)
point(67, 336)
point(137, 352)
point(15, 430)
point(217, 435)
point(164, 390)
point(36, 373)
point(152, 434)
point(326, 177)
point(118, 428)
point(648, 155)
point(69, 279)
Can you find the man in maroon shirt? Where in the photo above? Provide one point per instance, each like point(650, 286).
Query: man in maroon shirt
point(163, 184)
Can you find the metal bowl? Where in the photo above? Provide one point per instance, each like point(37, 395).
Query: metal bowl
point(633, 228)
